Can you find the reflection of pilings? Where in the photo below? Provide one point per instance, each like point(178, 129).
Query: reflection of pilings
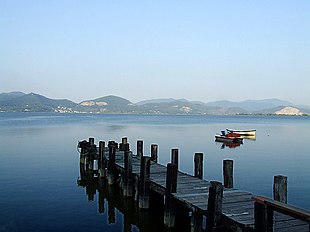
point(111, 204)
point(102, 188)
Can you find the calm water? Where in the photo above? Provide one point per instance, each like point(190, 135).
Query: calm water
point(40, 164)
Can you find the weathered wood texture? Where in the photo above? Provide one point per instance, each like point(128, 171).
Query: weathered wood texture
point(193, 193)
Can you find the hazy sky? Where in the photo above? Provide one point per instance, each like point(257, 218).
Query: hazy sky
point(194, 49)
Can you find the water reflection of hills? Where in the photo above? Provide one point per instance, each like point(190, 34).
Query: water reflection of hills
point(134, 219)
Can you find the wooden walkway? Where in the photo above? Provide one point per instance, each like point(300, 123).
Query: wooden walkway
point(237, 208)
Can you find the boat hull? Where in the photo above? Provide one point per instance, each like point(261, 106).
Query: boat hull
point(242, 132)
point(221, 138)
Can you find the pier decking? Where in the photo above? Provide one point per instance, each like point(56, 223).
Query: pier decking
point(223, 207)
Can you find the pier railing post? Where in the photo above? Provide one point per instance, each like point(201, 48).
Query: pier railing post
point(215, 202)
point(140, 148)
point(175, 161)
point(263, 217)
point(169, 214)
point(127, 175)
point(280, 188)
point(228, 173)
point(122, 145)
point(102, 162)
point(144, 184)
point(111, 162)
point(154, 152)
point(198, 165)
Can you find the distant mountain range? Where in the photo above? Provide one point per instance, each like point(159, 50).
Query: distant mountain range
point(32, 102)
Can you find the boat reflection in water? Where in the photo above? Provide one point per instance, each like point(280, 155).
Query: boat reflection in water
point(230, 144)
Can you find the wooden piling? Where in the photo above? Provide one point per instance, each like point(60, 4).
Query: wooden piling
point(175, 157)
point(122, 145)
point(280, 188)
point(127, 175)
point(91, 141)
point(102, 160)
point(144, 184)
point(198, 165)
point(215, 202)
point(169, 214)
point(140, 148)
point(228, 173)
point(263, 217)
point(154, 152)
point(175, 161)
point(111, 163)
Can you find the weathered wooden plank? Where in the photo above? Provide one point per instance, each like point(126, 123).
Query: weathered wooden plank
point(237, 206)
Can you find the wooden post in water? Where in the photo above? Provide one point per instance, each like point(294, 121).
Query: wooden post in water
point(144, 184)
point(228, 173)
point(91, 141)
point(280, 188)
point(111, 163)
point(140, 148)
point(169, 214)
point(215, 202)
point(154, 152)
point(175, 161)
point(127, 175)
point(102, 161)
point(198, 163)
point(122, 144)
point(263, 217)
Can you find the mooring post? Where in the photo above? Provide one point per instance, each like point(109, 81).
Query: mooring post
point(280, 188)
point(144, 184)
point(111, 163)
point(198, 165)
point(263, 217)
point(154, 152)
point(102, 162)
point(122, 145)
point(228, 173)
point(91, 141)
point(140, 148)
point(169, 214)
point(127, 175)
point(215, 202)
point(175, 161)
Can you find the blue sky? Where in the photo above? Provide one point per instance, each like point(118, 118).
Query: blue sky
point(198, 50)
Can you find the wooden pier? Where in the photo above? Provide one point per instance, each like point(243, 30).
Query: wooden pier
point(213, 206)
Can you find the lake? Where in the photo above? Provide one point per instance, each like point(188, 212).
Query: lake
point(39, 164)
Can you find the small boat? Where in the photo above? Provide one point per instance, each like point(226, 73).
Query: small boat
point(243, 132)
point(229, 137)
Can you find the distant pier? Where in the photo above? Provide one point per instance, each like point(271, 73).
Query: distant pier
point(211, 205)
